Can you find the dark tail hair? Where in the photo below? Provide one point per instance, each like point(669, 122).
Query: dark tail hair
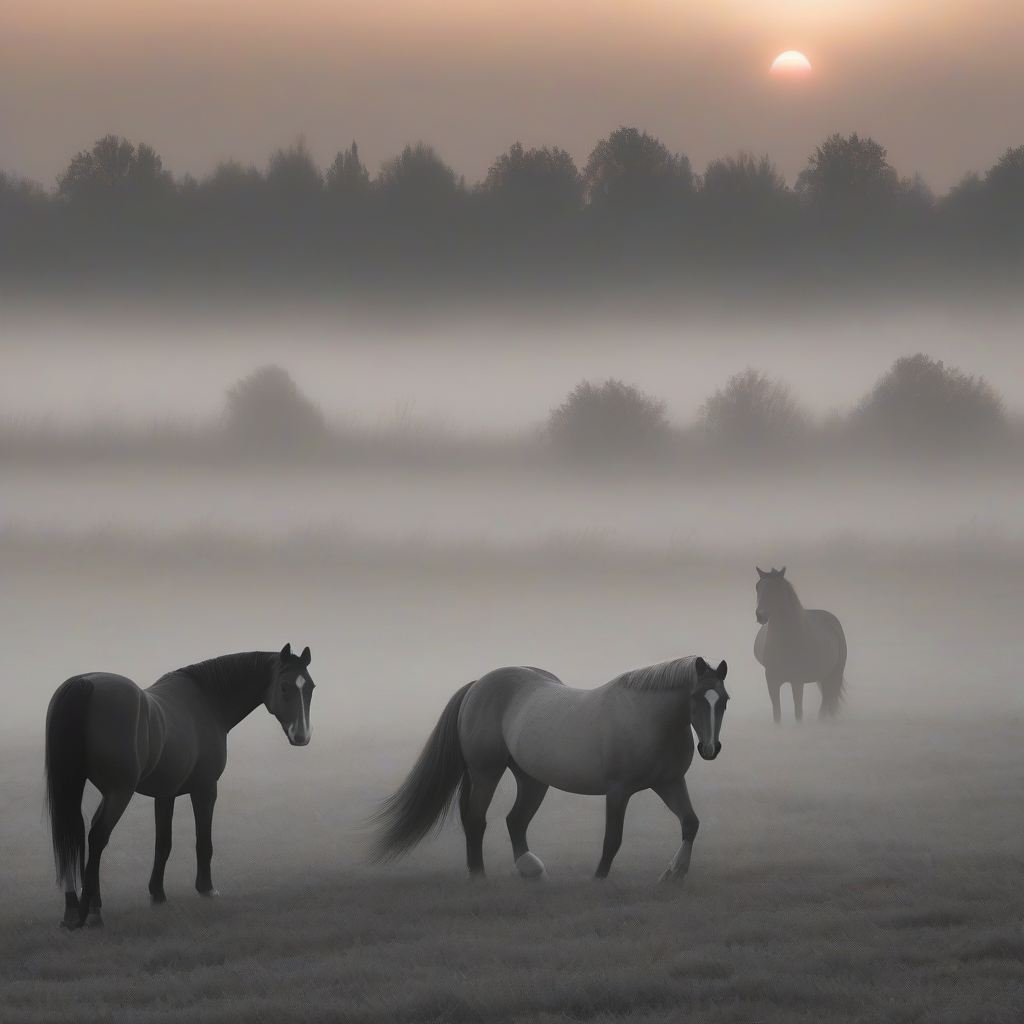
point(833, 692)
point(65, 776)
point(420, 805)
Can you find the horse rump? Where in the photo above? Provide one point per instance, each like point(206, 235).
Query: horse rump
point(420, 805)
point(66, 776)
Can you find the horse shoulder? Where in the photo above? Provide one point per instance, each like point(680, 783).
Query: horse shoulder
point(759, 643)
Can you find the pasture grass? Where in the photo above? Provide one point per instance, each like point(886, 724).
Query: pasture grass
point(812, 897)
point(868, 870)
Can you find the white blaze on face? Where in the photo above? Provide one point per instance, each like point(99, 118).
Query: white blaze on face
point(300, 682)
point(712, 698)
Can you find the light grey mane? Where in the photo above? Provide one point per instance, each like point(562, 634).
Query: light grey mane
point(677, 674)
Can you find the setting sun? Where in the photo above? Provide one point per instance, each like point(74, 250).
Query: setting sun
point(791, 63)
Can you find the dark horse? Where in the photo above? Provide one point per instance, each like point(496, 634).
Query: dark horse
point(163, 742)
point(797, 645)
point(629, 735)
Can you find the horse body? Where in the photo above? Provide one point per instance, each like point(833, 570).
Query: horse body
point(167, 741)
point(798, 645)
point(632, 734)
point(584, 741)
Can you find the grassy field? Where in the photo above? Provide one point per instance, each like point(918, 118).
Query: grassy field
point(867, 870)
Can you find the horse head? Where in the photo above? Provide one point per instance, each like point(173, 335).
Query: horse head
point(708, 699)
point(290, 694)
point(767, 590)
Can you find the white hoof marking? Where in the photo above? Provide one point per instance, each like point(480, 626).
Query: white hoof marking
point(530, 866)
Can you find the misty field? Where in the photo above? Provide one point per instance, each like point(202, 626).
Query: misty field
point(867, 870)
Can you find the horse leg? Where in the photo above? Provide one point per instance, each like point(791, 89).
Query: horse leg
point(163, 808)
point(480, 789)
point(107, 815)
point(677, 799)
point(615, 815)
point(798, 701)
point(773, 691)
point(529, 795)
point(202, 807)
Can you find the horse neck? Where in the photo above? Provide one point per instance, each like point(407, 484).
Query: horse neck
point(237, 684)
point(789, 618)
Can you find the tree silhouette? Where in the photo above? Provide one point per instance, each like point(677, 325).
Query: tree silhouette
point(535, 181)
point(753, 412)
point(849, 175)
point(347, 180)
point(418, 177)
point(921, 402)
point(113, 166)
point(293, 177)
point(633, 170)
point(744, 183)
point(607, 419)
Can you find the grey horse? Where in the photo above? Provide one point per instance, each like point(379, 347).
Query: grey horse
point(797, 645)
point(163, 742)
point(629, 735)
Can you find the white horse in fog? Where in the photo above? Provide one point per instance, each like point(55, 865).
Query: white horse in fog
point(629, 735)
point(797, 645)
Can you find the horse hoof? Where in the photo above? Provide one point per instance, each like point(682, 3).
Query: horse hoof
point(531, 868)
point(210, 894)
point(157, 899)
point(671, 875)
point(71, 926)
point(94, 920)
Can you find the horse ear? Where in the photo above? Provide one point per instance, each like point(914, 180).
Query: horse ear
point(721, 670)
point(305, 657)
point(701, 666)
point(286, 652)
point(782, 571)
point(760, 572)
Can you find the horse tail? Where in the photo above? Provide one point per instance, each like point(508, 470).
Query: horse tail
point(833, 687)
point(420, 805)
point(66, 775)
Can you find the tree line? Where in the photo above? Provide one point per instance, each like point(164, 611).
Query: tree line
point(635, 209)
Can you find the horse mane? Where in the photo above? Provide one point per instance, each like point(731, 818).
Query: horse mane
point(677, 674)
point(224, 674)
point(788, 593)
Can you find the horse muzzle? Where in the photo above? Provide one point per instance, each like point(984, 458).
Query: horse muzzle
point(709, 751)
point(298, 737)
point(761, 617)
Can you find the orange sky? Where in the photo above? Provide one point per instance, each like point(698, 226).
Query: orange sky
point(940, 84)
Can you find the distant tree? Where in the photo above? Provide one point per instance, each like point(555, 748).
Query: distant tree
point(347, 179)
point(418, 176)
point(752, 411)
point(607, 419)
point(849, 175)
point(293, 176)
point(744, 182)
point(916, 195)
point(266, 412)
point(540, 181)
point(114, 166)
point(632, 170)
point(1005, 181)
point(966, 194)
point(921, 402)
point(1004, 194)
